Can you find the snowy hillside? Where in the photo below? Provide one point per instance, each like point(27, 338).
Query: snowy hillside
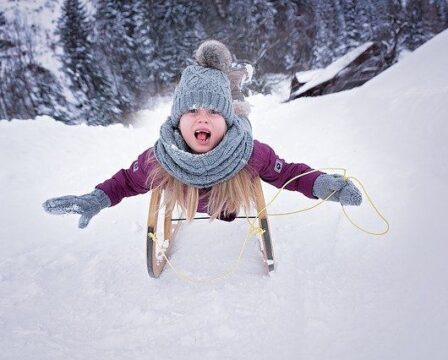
point(337, 293)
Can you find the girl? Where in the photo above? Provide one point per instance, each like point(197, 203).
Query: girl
point(205, 159)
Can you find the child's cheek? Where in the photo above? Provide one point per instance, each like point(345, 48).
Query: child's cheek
point(223, 131)
point(188, 138)
point(183, 128)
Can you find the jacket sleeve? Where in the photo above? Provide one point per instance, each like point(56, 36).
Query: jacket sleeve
point(131, 181)
point(276, 171)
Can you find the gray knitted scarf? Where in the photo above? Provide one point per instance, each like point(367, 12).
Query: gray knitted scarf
point(206, 169)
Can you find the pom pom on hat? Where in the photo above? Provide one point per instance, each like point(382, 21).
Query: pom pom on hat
point(214, 54)
point(205, 84)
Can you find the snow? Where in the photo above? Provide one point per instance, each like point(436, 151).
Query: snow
point(306, 76)
point(319, 76)
point(337, 293)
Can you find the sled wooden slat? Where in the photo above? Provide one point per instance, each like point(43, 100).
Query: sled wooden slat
point(265, 238)
point(154, 259)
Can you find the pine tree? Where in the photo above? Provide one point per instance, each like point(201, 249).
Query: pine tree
point(252, 31)
point(17, 87)
point(414, 27)
point(352, 35)
point(379, 25)
point(365, 19)
point(178, 33)
point(4, 45)
point(88, 81)
point(47, 94)
point(113, 49)
point(26, 88)
point(442, 7)
point(434, 20)
point(294, 36)
point(141, 34)
point(327, 42)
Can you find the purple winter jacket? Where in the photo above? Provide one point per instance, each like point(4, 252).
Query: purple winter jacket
point(263, 163)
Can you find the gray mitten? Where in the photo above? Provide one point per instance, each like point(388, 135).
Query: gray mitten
point(346, 192)
point(87, 205)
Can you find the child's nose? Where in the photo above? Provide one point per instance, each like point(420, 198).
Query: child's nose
point(203, 116)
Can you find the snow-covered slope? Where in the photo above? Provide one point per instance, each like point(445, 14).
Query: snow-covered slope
point(337, 293)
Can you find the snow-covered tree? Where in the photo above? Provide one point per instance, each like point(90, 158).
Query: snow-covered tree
point(96, 102)
point(351, 32)
point(140, 37)
point(27, 89)
point(47, 94)
point(294, 37)
point(4, 45)
point(177, 33)
point(415, 34)
point(327, 39)
point(366, 12)
point(252, 31)
point(435, 16)
point(143, 35)
point(113, 48)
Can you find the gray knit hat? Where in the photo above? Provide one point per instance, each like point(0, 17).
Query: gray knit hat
point(206, 84)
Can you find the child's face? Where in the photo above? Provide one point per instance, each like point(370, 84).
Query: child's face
point(202, 129)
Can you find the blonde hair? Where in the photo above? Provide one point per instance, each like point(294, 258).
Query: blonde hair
point(224, 198)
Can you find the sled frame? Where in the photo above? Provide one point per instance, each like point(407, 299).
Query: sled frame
point(155, 260)
point(266, 246)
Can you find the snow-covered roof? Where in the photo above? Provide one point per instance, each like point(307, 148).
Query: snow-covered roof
point(306, 76)
point(331, 70)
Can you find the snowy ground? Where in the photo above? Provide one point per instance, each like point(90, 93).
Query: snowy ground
point(337, 293)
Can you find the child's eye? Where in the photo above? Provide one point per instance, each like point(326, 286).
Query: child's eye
point(193, 111)
point(213, 112)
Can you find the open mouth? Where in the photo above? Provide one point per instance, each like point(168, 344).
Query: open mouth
point(202, 135)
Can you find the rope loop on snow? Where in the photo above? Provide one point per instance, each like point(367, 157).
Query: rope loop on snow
point(346, 177)
point(256, 230)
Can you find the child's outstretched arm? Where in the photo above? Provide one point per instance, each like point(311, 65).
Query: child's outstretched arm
point(125, 183)
point(87, 205)
point(276, 171)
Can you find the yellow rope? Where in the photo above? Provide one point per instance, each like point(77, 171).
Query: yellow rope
point(322, 201)
point(254, 229)
point(374, 207)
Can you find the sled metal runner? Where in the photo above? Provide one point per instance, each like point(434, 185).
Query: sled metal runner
point(154, 251)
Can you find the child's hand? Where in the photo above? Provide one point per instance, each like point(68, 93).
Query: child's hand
point(346, 192)
point(87, 205)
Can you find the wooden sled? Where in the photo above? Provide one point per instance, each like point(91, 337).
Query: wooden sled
point(154, 251)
